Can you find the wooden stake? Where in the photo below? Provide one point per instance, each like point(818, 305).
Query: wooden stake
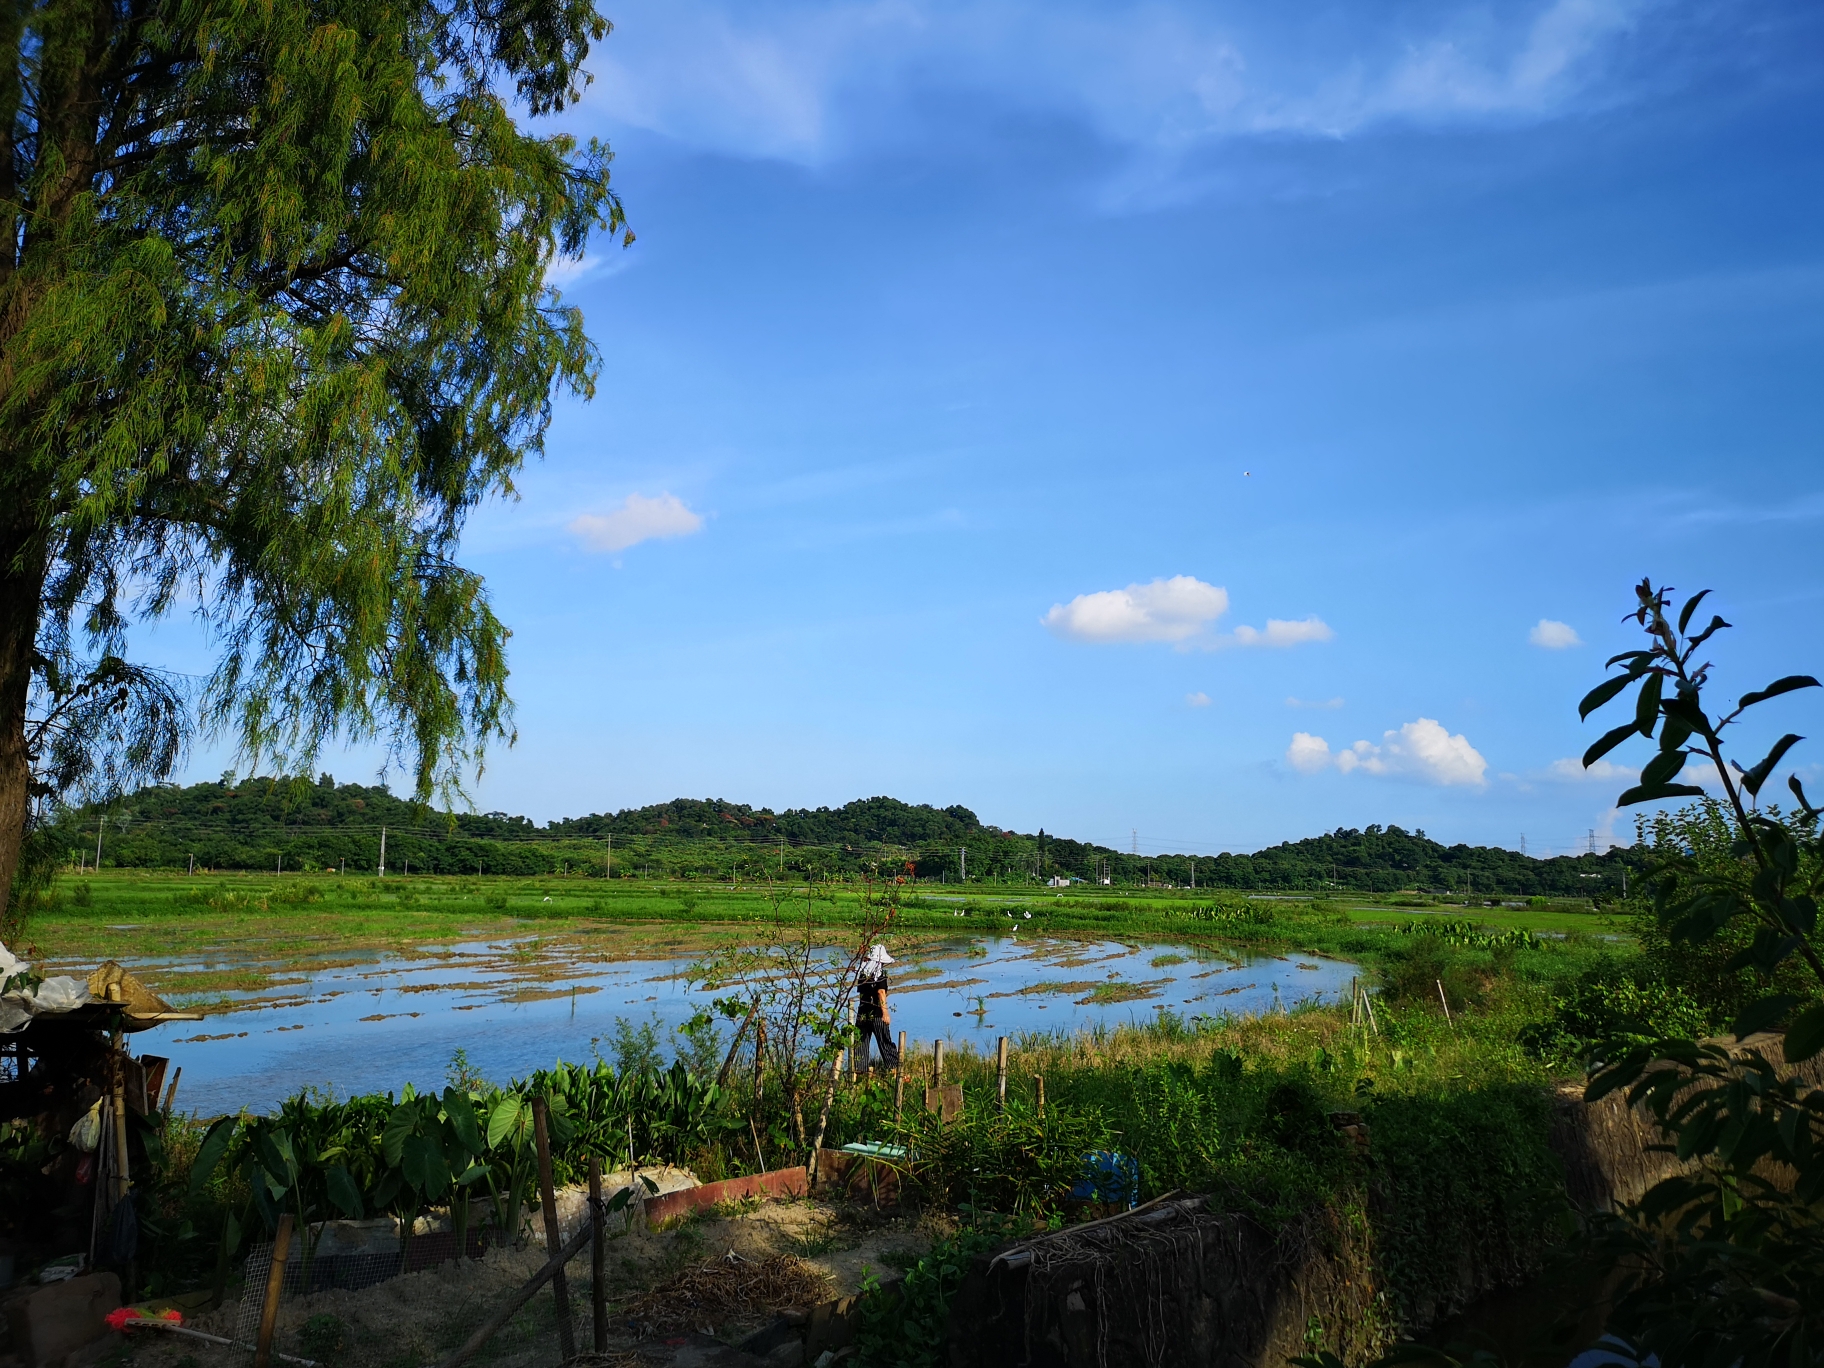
point(598, 1271)
point(937, 1066)
point(171, 1092)
point(1000, 1074)
point(275, 1283)
point(1040, 1080)
point(560, 1287)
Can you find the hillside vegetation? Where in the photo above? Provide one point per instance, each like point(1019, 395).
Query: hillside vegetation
point(301, 825)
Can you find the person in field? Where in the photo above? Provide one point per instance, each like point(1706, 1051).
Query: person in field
point(873, 1018)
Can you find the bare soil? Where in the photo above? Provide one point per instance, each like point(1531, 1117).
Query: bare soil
point(416, 1320)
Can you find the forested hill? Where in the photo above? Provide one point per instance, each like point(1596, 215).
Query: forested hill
point(305, 826)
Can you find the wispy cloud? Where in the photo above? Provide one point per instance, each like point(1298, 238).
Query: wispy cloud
point(1200, 699)
point(1336, 702)
point(1421, 749)
point(808, 81)
point(1554, 636)
point(1279, 633)
point(638, 519)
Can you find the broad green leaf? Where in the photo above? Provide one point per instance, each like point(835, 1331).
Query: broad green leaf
point(210, 1152)
point(1684, 617)
point(343, 1192)
point(1775, 689)
point(1640, 793)
point(1758, 1016)
point(1646, 706)
point(461, 1114)
point(1602, 693)
point(398, 1126)
point(503, 1118)
point(424, 1168)
point(1805, 1036)
point(1610, 739)
point(1675, 732)
point(1661, 768)
point(1754, 778)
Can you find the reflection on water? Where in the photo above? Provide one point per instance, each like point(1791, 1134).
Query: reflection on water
point(370, 1021)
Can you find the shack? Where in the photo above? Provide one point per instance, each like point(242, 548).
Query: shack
point(75, 1108)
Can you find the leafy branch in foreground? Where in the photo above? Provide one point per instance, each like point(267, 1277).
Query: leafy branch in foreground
point(1784, 869)
point(1722, 1263)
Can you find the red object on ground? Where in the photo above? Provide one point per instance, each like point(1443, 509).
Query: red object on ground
point(117, 1318)
point(792, 1182)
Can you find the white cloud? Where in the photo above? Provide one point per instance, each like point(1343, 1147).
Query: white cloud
point(638, 519)
point(1554, 636)
point(1603, 772)
point(1336, 702)
point(1174, 609)
point(1308, 754)
point(1198, 700)
point(807, 80)
point(1281, 633)
point(1422, 750)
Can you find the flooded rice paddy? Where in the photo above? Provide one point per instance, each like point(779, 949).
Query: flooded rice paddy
point(371, 1021)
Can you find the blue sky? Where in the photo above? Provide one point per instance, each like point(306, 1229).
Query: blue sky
point(971, 357)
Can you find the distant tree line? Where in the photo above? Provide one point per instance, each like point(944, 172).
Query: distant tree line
point(304, 826)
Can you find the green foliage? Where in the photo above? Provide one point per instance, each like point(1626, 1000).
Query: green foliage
point(243, 824)
point(274, 323)
point(908, 1326)
point(324, 1337)
point(1723, 1262)
point(1605, 1007)
point(1506, 1207)
point(322, 1159)
point(1698, 845)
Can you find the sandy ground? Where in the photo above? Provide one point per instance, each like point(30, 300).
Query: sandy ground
point(415, 1320)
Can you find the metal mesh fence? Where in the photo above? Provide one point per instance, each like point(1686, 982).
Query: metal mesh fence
point(308, 1271)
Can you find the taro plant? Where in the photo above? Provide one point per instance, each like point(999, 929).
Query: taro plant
point(1723, 1262)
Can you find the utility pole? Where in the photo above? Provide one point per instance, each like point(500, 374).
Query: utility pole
point(382, 873)
point(193, 862)
point(963, 854)
point(1193, 873)
point(98, 829)
point(610, 873)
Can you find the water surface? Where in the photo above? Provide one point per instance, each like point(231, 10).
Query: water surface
point(371, 1021)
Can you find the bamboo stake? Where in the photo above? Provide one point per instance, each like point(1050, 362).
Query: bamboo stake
point(937, 1066)
point(1000, 1074)
point(899, 1079)
point(1039, 1079)
point(598, 1269)
point(1446, 1002)
point(560, 1287)
point(275, 1283)
point(510, 1307)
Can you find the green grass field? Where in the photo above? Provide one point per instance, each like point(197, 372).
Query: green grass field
point(133, 915)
